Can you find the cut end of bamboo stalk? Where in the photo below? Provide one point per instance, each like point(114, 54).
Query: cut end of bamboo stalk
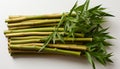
point(15, 20)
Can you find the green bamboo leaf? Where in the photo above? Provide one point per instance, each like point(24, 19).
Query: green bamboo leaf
point(109, 37)
point(90, 59)
point(108, 57)
point(100, 58)
point(72, 19)
point(101, 8)
point(82, 8)
point(60, 37)
point(61, 20)
point(54, 37)
point(107, 43)
point(65, 28)
point(85, 6)
point(75, 5)
point(106, 14)
point(79, 8)
point(94, 8)
point(46, 42)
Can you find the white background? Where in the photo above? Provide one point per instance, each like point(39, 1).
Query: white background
point(35, 7)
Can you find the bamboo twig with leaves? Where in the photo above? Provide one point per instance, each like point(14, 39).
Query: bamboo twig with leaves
point(88, 21)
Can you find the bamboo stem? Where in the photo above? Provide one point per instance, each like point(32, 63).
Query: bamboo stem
point(14, 16)
point(22, 18)
point(68, 46)
point(63, 46)
point(34, 23)
point(38, 33)
point(55, 15)
point(19, 27)
point(21, 51)
point(27, 34)
point(42, 40)
point(31, 52)
point(26, 53)
point(53, 50)
point(35, 26)
point(28, 21)
point(45, 29)
point(28, 37)
point(58, 42)
point(25, 41)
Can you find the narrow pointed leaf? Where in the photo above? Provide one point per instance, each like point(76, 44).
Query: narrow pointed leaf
point(94, 8)
point(54, 37)
point(90, 59)
point(46, 42)
point(71, 11)
point(60, 37)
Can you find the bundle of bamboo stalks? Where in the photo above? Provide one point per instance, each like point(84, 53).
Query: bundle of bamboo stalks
point(27, 34)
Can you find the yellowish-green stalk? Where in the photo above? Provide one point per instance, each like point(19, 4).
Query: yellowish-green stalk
point(34, 23)
point(35, 26)
point(22, 18)
point(53, 50)
point(45, 15)
point(28, 21)
point(26, 53)
point(44, 29)
point(37, 34)
point(28, 37)
point(31, 53)
point(14, 16)
point(42, 40)
point(27, 34)
point(63, 46)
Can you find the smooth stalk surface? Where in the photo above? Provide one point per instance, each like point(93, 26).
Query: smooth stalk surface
point(54, 50)
point(33, 26)
point(28, 37)
point(42, 40)
point(45, 29)
point(34, 23)
point(38, 33)
point(22, 18)
point(26, 53)
point(63, 46)
point(27, 34)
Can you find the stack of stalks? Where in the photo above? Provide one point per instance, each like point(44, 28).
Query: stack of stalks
point(27, 34)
